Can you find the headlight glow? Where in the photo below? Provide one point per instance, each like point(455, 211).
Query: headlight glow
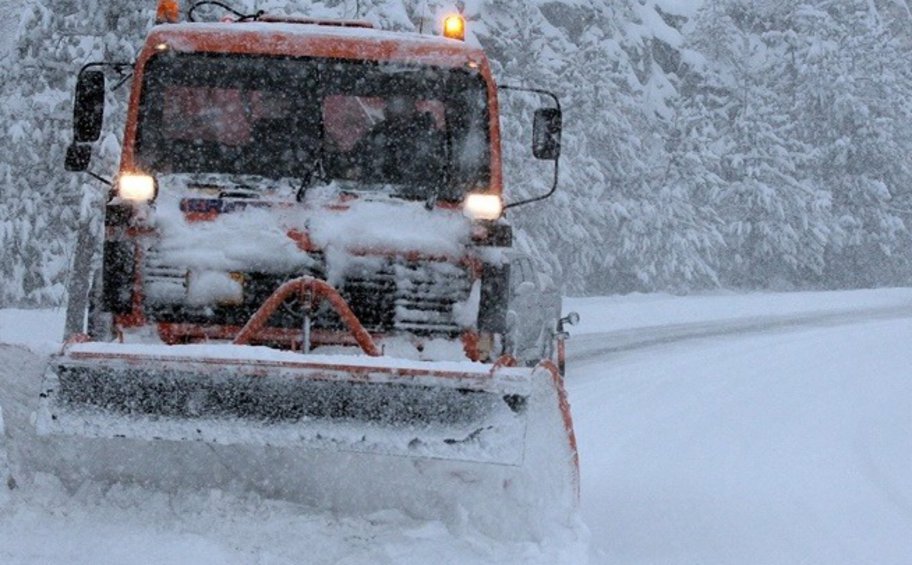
point(483, 206)
point(138, 188)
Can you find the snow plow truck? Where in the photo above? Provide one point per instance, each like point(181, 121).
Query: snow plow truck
point(307, 269)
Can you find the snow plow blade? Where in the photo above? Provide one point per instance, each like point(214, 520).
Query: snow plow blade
point(241, 395)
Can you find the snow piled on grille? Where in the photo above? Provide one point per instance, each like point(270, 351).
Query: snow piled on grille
point(393, 226)
point(256, 234)
point(250, 240)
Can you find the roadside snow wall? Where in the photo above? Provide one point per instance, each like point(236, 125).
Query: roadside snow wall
point(5, 476)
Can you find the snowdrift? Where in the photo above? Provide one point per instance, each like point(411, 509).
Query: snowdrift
point(530, 502)
point(5, 475)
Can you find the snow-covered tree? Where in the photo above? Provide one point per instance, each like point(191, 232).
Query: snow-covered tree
point(39, 202)
point(852, 80)
point(806, 149)
point(716, 142)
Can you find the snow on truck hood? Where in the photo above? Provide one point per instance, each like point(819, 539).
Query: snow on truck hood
point(260, 234)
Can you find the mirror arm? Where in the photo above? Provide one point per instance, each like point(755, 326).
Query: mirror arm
point(542, 197)
point(121, 82)
point(122, 68)
point(99, 178)
point(557, 104)
point(541, 91)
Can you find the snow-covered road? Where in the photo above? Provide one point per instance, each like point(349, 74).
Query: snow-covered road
point(771, 428)
point(777, 438)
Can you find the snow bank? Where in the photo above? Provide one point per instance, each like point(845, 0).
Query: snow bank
point(616, 313)
point(5, 474)
point(40, 330)
point(212, 527)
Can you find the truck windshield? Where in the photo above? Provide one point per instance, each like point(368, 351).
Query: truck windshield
point(414, 129)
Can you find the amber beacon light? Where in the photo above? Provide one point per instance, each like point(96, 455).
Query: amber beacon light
point(454, 27)
point(168, 12)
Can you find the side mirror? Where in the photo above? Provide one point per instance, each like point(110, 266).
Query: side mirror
point(88, 107)
point(546, 134)
point(78, 156)
point(546, 138)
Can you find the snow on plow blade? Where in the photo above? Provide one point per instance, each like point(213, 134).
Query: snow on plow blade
point(258, 396)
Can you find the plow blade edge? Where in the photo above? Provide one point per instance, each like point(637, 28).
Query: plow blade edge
point(257, 396)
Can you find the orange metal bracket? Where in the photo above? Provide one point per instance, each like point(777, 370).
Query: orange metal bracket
point(564, 403)
point(319, 290)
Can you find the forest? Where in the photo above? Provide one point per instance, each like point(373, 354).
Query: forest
point(733, 144)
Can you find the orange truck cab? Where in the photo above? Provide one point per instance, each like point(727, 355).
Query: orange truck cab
point(262, 149)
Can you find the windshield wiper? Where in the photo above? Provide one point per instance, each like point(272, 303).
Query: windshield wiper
point(317, 172)
point(433, 196)
point(314, 176)
point(239, 192)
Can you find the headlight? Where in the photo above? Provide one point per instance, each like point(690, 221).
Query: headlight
point(483, 206)
point(138, 188)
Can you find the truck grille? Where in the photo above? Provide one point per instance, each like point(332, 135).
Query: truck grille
point(387, 295)
point(411, 296)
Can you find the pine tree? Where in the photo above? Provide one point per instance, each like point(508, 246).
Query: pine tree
point(39, 202)
point(746, 158)
point(852, 105)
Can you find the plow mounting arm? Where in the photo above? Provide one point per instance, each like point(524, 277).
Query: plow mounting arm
point(308, 288)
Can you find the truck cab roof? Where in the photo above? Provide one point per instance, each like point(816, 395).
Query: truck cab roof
point(313, 40)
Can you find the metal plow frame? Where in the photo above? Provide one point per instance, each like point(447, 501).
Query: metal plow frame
point(520, 465)
point(515, 499)
point(243, 395)
point(283, 399)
